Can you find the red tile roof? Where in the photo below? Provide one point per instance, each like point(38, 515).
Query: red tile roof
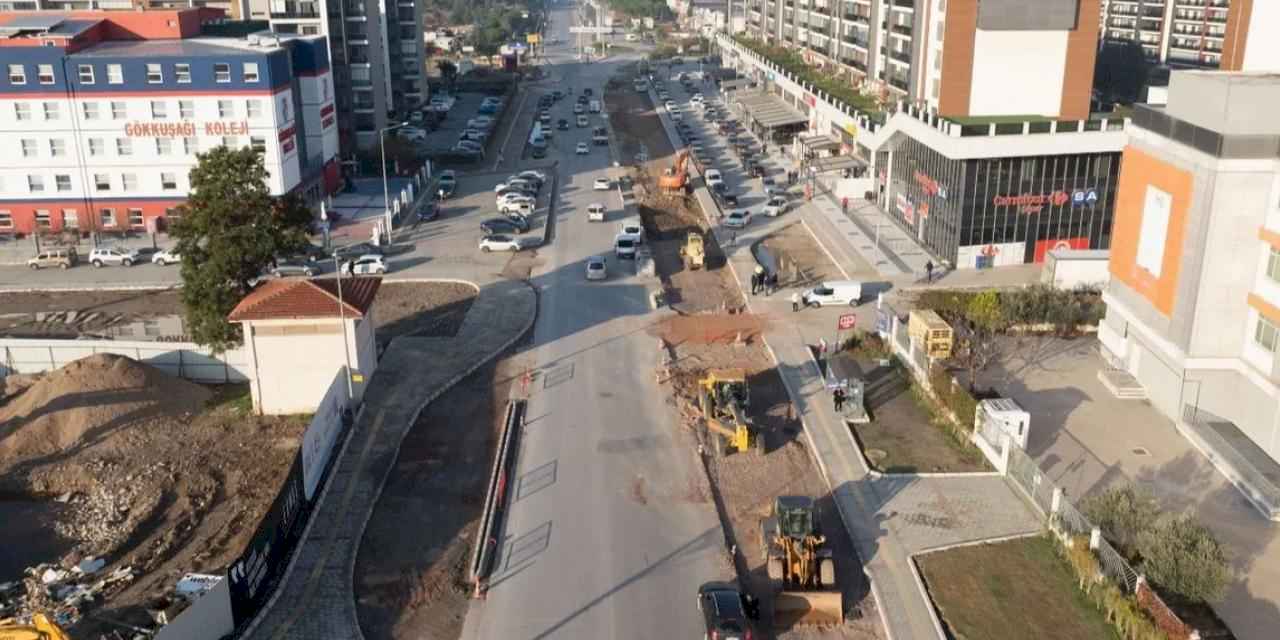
point(289, 298)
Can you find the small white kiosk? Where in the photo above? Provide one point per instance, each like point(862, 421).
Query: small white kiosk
point(1002, 415)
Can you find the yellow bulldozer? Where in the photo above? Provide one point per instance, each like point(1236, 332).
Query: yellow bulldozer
point(724, 398)
point(41, 628)
point(693, 251)
point(800, 565)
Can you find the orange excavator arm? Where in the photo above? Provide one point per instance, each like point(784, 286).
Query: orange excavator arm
point(675, 177)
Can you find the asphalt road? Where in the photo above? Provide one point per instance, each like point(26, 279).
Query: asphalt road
point(606, 537)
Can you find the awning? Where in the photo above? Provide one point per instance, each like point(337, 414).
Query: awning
point(818, 142)
point(835, 163)
point(769, 111)
point(735, 84)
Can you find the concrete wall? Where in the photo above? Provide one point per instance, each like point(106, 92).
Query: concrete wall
point(1018, 72)
point(1229, 103)
point(1230, 395)
point(183, 359)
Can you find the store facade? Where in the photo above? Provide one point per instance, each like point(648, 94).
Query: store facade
point(981, 212)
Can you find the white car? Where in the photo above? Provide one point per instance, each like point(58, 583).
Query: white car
point(670, 105)
point(737, 219)
point(697, 98)
point(582, 121)
point(596, 268)
point(595, 213)
point(714, 178)
point(625, 246)
point(500, 242)
point(166, 257)
point(514, 197)
point(833, 292)
point(109, 255)
point(582, 149)
point(368, 263)
point(776, 206)
point(522, 209)
point(579, 109)
point(633, 229)
point(602, 184)
point(517, 183)
point(533, 176)
point(773, 191)
point(676, 116)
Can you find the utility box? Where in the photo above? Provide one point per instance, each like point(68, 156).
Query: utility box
point(931, 332)
point(1003, 415)
point(1076, 268)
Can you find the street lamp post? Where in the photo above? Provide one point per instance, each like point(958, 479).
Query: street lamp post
point(386, 191)
point(342, 318)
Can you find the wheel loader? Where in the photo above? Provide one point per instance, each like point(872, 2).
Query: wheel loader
point(724, 398)
point(41, 628)
point(693, 251)
point(800, 565)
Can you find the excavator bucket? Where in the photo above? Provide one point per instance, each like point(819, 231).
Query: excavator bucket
point(804, 608)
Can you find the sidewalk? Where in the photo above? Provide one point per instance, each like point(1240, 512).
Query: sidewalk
point(314, 600)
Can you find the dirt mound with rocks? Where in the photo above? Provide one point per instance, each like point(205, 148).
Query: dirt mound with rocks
point(84, 401)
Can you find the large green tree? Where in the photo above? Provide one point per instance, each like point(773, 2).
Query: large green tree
point(229, 231)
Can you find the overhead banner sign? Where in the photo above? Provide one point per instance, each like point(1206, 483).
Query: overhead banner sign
point(599, 30)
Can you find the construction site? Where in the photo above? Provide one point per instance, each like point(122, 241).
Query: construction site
point(789, 548)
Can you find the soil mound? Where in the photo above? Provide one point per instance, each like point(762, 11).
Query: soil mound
point(85, 401)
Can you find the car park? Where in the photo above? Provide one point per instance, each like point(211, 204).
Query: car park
point(602, 184)
point(582, 149)
point(365, 265)
point(166, 257)
point(494, 226)
point(297, 266)
point(737, 219)
point(54, 258)
point(113, 256)
point(595, 212)
point(500, 242)
point(597, 268)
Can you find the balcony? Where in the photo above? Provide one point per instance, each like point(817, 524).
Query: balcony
point(856, 41)
point(898, 82)
point(901, 30)
point(900, 56)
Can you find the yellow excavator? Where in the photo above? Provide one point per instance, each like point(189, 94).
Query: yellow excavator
point(724, 398)
point(798, 561)
point(693, 251)
point(41, 628)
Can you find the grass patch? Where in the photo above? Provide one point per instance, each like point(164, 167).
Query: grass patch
point(1016, 589)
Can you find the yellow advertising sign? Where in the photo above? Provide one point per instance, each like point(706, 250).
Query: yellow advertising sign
point(533, 38)
point(851, 129)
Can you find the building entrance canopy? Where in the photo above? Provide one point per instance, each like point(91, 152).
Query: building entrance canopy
point(769, 111)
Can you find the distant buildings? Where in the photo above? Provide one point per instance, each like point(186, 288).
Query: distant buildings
point(1233, 35)
point(234, 9)
point(102, 114)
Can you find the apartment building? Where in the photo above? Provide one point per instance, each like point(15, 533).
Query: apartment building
point(1193, 307)
point(959, 57)
point(234, 9)
point(377, 52)
point(103, 114)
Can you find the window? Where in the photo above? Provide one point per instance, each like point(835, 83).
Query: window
point(119, 111)
point(221, 72)
point(62, 182)
point(154, 74)
point(186, 109)
point(189, 146)
point(135, 217)
point(96, 147)
point(1153, 230)
point(129, 181)
point(29, 148)
point(90, 110)
point(22, 111)
point(52, 111)
point(250, 72)
point(115, 74)
point(101, 182)
point(253, 108)
point(17, 74)
point(70, 219)
point(6, 220)
point(1273, 265)
point(86, 73)
point(258, 143)
point(159, 110)
point(230, 142)
point(168, 181)
point(58, 148)
point(1267, 334)
point(45, 73)
point(164, 146)
point(124, 147)
point(35, 184)
point(183, 73)
point(42, 219)
point(310, 30)
point(226, 109)
point(108, 217)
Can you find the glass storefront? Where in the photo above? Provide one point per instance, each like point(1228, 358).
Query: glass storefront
point(999, 211)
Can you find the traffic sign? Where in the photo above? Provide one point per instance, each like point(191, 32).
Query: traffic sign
point(846, 322)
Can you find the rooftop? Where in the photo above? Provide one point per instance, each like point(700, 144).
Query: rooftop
point(301, 298)
point(201, 46)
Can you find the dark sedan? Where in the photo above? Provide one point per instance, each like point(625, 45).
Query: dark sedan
point(726, 611)
point(510, 226)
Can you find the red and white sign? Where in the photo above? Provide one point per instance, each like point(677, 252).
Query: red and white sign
point(1045, 246)
point(1032, 202)
point(846, 322)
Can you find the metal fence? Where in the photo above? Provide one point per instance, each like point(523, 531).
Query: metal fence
point(182, 359)
point(1026, 475)
point(1115, 566)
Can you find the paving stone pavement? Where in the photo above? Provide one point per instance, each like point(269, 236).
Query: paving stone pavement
point(315, 600)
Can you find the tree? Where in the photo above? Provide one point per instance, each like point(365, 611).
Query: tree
point(1122, 513)
point(976, 333)
point(229, 231)
point(1182, 557)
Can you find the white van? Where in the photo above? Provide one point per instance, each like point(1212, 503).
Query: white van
point(833, 292)
point(593, 106)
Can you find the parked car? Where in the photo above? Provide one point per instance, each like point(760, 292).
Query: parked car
point(725, 611)
point(833, 292)
point(523, 209)
point(582, 149)
point(367, 264)
point(512, 199)
point(110, 255)
point(166, 257)
point(51, 258)
point(728, 200)
point(448, 176)
point(500, 242)
point(412, 134)
point(496, 226)
point(532, 175)
point(596, 212)
point(602, 184)
point(562, 124)
point(446, 190)
point(737, 219)
point(296, 266)
point(579, 109)
point(597, 268)
point(358, 249)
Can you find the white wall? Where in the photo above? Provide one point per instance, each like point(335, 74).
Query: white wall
point(1262, 49)
point(294, 361)
point(183, 359)
point(208, 618)
point(1018, 72)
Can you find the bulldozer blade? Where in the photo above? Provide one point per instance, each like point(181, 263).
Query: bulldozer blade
point(803, 608)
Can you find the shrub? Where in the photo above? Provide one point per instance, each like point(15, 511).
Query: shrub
point(1182, 557)
point(954, 397)
point(1122, 512)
